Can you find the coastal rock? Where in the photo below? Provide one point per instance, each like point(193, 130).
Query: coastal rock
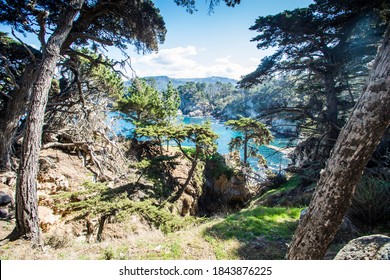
point(47, 219)
point(284, 127)
point(51, 181)
point(8, 178)
point(5, 199)
point(3, 214)
point(196, 113)
point(224, 192)
point(372, 247)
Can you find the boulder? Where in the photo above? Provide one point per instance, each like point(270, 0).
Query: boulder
point(5, 199)
point(371, 247)
point(3, 214)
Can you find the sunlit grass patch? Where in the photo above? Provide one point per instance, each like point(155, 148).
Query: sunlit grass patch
point(273, 224)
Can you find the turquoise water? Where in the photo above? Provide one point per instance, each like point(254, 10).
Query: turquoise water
point(275, 160)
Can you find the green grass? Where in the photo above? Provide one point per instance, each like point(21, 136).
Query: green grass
point(271, 223)
point(276, 225)
point(284, 188)
point(290, 184)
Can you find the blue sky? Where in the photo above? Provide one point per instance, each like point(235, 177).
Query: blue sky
point(201, 44)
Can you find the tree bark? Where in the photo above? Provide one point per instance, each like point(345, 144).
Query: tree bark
point(27, 221)
point(12, 113)
point(194, 164)
point(246, 147)
point(354, 147)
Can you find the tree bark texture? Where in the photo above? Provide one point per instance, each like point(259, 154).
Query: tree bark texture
point(27, 221)
point(354, 147)
point(10, 117)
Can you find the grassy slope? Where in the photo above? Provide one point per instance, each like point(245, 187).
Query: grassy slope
point(258, 233)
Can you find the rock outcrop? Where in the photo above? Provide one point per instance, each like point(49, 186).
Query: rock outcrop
point(224, 188)
point(372, 247)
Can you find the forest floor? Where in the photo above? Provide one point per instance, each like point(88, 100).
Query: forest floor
point(260, 233)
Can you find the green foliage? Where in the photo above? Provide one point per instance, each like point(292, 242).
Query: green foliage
point(201, 135)
point(149, 110)
point(100, 200)
point(371, 201)
point(326, 47)
point(141, 104)
point(254, 134)
point(155, 132)
point(143, 164)
point(274, 225)
point(13, 60)
point(280, 193)
point(100, 23)
point(170, 102)
point(216, 166)
point(108, 254)
point(290, 184)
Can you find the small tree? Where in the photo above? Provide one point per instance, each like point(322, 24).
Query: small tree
point(141, 104)
point(170, 103)
point(254, 134)
point(156, 132)
point(204, 139)
point(145, 106)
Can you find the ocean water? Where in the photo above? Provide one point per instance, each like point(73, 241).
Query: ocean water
point(276, 161)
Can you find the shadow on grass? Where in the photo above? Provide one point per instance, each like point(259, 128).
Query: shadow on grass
point(262, 233)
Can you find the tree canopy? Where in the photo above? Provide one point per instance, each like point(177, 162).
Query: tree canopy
point(254, 135)
point(328, 45)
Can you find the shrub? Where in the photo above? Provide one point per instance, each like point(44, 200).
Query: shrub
point(216, 166)
point(371, 201)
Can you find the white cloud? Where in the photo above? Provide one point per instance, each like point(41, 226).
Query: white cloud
point(183, 62)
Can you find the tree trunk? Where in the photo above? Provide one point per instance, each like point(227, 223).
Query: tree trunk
point(354, 147)
point(245, 148)
point(12, 113)
point(183, 188)
point(26, 187)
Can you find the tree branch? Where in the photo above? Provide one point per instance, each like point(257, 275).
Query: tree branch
point(80, 35)
point(13, 79)
point(33, 58)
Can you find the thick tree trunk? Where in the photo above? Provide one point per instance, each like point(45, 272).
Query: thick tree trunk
point(14, 109)
point(353, 149)
point(26, 187)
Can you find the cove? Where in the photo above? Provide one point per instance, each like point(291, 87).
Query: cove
point(276, 160)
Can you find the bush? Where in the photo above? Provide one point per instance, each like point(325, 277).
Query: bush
point(371, 201)
point(216, 166)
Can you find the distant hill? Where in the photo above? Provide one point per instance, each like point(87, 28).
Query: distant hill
point(161, 82)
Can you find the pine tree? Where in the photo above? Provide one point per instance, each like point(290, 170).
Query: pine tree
point(254, 134)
